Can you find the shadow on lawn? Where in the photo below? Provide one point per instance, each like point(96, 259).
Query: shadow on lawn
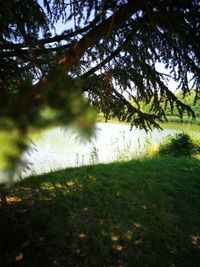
point(105, 215)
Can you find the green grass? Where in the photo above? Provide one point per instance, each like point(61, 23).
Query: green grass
point(184, 120)
point(144, 212)
point(173, 124)
point(186, 127)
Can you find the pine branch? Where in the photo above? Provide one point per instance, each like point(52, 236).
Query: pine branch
point(72, 55)
point(57, 38)
point(106, 60)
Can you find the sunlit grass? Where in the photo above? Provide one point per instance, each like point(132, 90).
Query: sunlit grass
point(186, 127)
point(175, 125)
point(144, 212)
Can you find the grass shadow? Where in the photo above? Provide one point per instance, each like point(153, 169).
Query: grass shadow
point(139, 213)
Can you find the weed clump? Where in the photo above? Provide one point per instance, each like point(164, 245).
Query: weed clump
point(180, 144)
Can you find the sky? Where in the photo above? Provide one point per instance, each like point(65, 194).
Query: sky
point(172, 85)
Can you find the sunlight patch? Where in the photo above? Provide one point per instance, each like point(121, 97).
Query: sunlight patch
point(74, 185)
point(13, 199)
point(196, 240)
point(138, 242)
point(114, 238)
point(47, 186)
point(118, 247)
point(82, 235)
point(19, 256)
point(137, 225)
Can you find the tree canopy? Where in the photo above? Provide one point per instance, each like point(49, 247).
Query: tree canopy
point(103, 56)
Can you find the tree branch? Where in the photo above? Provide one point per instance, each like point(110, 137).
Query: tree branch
point(106, 60)
point(57, 38)
point(146, 120)
point(126, 11)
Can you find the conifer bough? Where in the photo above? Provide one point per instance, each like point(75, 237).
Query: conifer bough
point(105, 56)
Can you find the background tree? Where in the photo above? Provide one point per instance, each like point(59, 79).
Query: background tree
point(105, 56)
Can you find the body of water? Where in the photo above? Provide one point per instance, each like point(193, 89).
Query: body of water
point(62, 147)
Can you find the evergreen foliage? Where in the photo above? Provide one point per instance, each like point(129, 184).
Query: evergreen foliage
point(107, 51)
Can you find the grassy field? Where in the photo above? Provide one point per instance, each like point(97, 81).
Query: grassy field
point(174, 124)
point(184, 120)
point(145, 212)
point(186, 127)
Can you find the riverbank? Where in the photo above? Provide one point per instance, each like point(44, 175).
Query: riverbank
point(144, 212)
point(174, 124)
point(59, 148)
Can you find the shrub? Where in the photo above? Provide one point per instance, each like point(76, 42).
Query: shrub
point(179, 145)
